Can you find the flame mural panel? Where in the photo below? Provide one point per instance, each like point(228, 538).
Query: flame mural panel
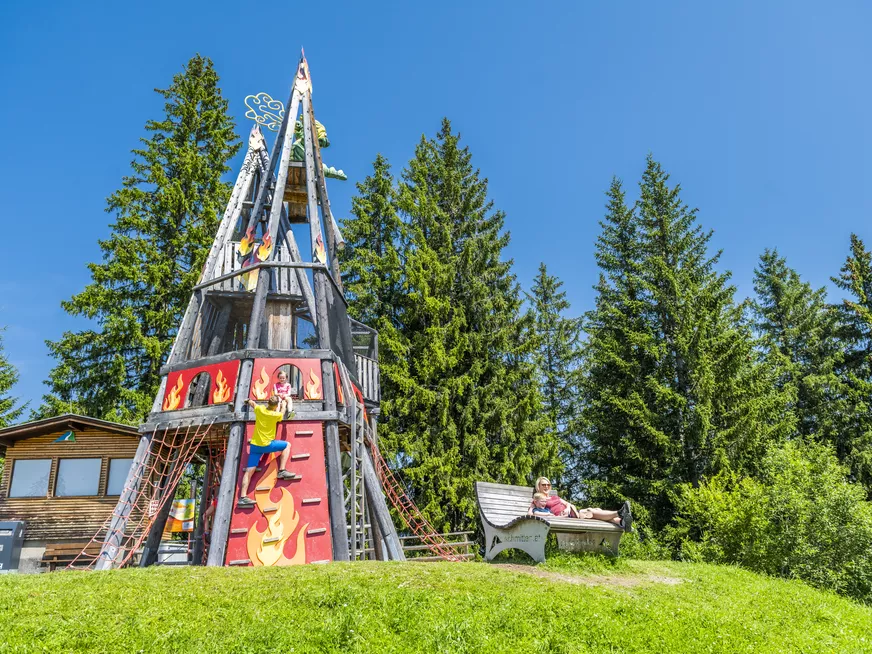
point(290, 523)
point(222, 378)
point(265, 371)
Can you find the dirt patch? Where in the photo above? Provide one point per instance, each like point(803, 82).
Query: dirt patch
point(622, 581)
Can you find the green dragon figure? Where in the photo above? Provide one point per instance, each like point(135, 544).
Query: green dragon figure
point(299, 150)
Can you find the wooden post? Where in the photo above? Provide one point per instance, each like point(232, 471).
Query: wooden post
point(227, 490)
point(197, 550)
point(378, 541)
point(110, 552)
point(263, 276)
point(240, 190)
point(302, 280)
point(379, 509)
point(338, 521)
point(330, 226)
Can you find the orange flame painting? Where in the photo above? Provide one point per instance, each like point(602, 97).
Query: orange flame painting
point(338, 385)
point(313, 387)
point(320, 252)
point(221, 393)
point(247, 242)
point(263, 251)
point(268, 547)
point(260, 391)
point(174, 397)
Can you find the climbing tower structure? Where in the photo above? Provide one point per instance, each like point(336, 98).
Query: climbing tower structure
point(260, 307)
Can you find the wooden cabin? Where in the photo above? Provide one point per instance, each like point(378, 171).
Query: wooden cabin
point(63, 477)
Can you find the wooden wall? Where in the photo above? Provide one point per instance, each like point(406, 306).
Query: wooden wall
point(64, 518)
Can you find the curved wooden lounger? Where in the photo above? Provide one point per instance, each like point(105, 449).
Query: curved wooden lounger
point(503, 509)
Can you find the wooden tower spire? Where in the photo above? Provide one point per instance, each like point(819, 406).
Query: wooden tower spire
point(263, 305)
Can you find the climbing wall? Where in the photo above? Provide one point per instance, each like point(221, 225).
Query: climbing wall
point(290, 524)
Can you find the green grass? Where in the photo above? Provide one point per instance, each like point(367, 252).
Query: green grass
point(570, 604)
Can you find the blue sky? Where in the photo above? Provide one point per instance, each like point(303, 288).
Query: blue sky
point(759, 109)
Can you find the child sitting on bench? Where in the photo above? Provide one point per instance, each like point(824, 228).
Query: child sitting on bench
point(263, 441)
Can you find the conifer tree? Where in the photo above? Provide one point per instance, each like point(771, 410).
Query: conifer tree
point(371, 266)
point(557, 357)
point(10, 408)
point(679, 392)
point(470, 408)
point(373, 276)
point(166, 214)
point(853, 443)
point(797, 328)
point(620, 355)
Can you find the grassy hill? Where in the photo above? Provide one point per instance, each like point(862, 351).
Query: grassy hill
point(570, 604)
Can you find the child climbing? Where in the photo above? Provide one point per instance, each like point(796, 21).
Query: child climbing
point(263, 441)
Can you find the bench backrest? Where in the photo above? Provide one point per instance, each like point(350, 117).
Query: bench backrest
point(501, 503)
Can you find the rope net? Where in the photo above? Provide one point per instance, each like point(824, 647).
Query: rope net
point(149, 488)
point(410, 513)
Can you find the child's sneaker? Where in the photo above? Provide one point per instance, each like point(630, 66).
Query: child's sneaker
point(284, 474)
point(245, 501)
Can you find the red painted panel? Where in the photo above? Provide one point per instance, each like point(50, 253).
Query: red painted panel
point(296, 520)
point(222, 377)
point(263, 377)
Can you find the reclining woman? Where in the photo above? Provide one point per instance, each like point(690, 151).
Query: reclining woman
point(623, 517)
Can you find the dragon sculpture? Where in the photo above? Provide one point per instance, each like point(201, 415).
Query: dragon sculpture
point(299, 150)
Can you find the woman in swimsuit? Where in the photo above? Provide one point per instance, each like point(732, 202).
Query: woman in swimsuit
point(563, 509)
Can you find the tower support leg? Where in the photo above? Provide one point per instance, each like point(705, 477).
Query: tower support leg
point(112, 544)
point(226, 495)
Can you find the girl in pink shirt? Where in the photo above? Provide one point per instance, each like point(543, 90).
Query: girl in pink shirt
point(282, 390)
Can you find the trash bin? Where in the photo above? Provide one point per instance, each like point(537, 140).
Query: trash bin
point(11, 539)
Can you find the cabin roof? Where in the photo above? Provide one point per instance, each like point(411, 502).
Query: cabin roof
point(65, 421)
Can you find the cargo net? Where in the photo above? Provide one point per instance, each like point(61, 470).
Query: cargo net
point(410, 513)
point(150, 485)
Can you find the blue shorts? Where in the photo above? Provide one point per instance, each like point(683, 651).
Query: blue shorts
point(257, 451)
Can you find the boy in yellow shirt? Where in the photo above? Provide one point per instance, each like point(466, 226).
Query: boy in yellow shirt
point(263, 442)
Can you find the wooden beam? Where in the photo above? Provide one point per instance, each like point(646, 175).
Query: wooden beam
point(379, 509)
point(197, 551)
point(112, 543)
point(226, 498)
point(246, 354)
point(243, 182)
point(257, 308)
point(155, 531)
point(302, 279)
point(329, 223)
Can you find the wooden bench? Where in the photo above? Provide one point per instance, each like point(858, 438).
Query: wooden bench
point(503, 511)
point(65, 553)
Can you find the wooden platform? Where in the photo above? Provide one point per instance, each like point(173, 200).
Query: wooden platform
point(503, 509)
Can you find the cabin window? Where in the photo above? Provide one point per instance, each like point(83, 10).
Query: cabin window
point(118, 469)
point(77, 477)
point(30, 478)
point(198, 390)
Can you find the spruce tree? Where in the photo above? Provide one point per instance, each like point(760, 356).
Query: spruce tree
point(10, 408)
point(470, 407)
point(373, 277)
point(797, 328)
point(853, 442)
point(166, 214)
point(620, 355)
point(676, 390)
point(557, 357)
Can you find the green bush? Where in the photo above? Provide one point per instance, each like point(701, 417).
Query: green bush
point(798, 518)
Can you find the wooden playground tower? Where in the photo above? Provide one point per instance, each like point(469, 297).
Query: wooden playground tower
point(260, 307)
